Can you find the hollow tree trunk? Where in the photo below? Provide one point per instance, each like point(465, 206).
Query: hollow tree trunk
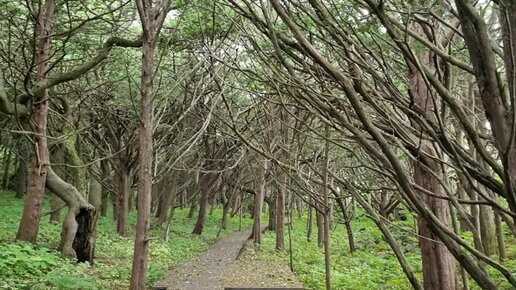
point(78, 235)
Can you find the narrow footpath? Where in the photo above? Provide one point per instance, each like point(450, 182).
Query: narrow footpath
point(218, 268)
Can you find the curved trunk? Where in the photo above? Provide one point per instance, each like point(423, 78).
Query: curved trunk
point(78, 234)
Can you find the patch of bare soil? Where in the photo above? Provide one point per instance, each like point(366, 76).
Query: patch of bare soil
point(218, 268)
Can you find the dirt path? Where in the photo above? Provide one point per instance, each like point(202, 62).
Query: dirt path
point(218, 268)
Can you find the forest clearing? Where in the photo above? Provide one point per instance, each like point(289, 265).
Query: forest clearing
point(213, 144)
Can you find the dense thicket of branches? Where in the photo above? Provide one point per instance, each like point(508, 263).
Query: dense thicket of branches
point(317, 105)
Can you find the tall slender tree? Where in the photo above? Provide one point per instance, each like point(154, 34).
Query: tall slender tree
point(152, 15)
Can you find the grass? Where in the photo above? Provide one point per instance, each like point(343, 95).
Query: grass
point(372, 266)
point(40, 267)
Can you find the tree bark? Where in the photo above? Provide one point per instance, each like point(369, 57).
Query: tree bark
point(29, 223)
point(106, 177)
point(168, 194)
point(438, 262)
point(482, 56)
point(21, 176)
point(271, 204)
point(152, 20)
point(203, 204)
point(327, 211)
point(55, 208)
point(280, 217)
point(122, 195)
point(7, 168)
point(258, 202)
point(309, 223)
point(78, 235)
point(207, 180)
point(95, 193)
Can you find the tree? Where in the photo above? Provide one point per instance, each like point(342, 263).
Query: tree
point(152, 15)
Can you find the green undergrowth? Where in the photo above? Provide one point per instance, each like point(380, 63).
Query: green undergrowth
point(371, 266)
point(24, 266)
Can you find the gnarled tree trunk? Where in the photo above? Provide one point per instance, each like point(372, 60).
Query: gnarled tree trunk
point(79, 226)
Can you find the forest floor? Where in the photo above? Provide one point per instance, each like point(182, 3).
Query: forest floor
point(224, 265)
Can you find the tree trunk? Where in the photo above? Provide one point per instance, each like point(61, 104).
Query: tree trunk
point(168, 194)
point(203, 204)
point(320, 228)
point(152, 18)
point(347, 215)
point(499, 237)
point(55, 208)
point(438, 262)
point(309, 223)
point(7, 168)
point(105, 170)
point(29, 223)
point(191, 211)
point(104, 201)
point(258, 202)
point(21, 177)
point(95, 193)
point(122, 196)
point(271, 204)
point(327, 211)
point(78, 236)
point(207, 180)
point(280, 216)
point(225, 213)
